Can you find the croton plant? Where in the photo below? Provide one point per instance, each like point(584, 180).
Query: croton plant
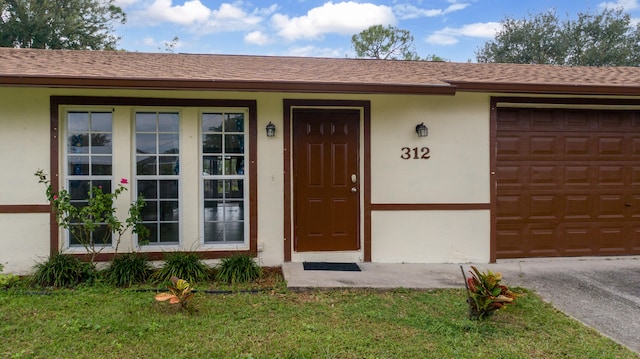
point(485, 293)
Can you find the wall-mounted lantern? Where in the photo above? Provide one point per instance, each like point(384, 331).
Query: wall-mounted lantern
point(271, 129)
point(422, 130)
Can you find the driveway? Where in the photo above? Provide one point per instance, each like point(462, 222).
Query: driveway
point(601, 292)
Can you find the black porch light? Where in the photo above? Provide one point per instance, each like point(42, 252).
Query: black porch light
point(271, 129)
point(422, 130)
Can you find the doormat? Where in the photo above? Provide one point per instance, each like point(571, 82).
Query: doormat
point(345, 267)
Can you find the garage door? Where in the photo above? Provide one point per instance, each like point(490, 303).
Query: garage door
point(567, 182)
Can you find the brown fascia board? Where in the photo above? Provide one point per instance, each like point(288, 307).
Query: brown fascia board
point(556, 89)
point(254, 86)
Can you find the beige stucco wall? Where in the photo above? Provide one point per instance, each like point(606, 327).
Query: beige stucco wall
point(458, 168)
point(457, 172)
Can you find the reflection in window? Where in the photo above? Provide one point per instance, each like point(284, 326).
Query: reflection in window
point(157, 173)
point(223, 177)
point(88, 163)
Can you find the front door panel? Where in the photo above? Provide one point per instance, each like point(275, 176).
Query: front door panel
point(326, 179)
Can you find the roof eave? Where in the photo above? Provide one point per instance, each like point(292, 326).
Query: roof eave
point(547, 89)
point(227, 85)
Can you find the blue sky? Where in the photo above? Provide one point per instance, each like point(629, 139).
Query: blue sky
point(452, 29)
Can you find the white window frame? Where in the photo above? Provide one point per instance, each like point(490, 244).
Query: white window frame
point(158, 246)
point(65, 111)
point(245, 244)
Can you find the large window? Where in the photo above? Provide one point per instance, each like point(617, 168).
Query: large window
point(158, 173)
point(89, 162)
point(192, 160)
point(223, 177)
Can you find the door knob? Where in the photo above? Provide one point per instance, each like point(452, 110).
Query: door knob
point(354, 190)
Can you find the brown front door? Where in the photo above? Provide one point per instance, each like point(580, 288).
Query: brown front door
point(326, 179)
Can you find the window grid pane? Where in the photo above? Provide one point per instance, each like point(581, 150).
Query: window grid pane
point(223, 177)
point(157, 174)
point(89, 164)
point(89, 143)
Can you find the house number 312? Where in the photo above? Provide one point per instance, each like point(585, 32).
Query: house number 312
point(416, 153)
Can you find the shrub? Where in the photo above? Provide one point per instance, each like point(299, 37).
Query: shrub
point(127, 269)
point(485, 293)
point(7, 280)
point(185, 265)
point(239, 268)
point(62, 270)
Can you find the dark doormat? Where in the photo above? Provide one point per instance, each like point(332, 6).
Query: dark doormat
point(345, 267)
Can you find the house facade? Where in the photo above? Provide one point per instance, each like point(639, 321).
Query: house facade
point(518, 160)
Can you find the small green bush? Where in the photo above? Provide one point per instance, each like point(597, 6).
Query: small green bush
point(239, 268)
point(184, 265)
point(127, 269)
point(62, 270)
point(7, 280)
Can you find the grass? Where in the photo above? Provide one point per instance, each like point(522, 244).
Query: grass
point(103, 322)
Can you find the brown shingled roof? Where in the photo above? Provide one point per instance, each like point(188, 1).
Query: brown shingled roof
point(115, 69)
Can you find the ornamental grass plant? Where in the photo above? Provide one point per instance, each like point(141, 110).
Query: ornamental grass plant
point(128, 269)
point(62, 270)
point(239, 268)
point(184, 265)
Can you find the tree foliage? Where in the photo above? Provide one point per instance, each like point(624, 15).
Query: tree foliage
point(60, 24)
point(606, 38)
point(386, 43)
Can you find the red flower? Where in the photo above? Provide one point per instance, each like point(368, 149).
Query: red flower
point(55, 197)
point(124, 181)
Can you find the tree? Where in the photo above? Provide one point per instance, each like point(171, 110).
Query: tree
point(386, 43)
point(60, 24)
point(608, 38)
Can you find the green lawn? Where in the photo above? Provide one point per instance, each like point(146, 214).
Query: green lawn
point(102, 322)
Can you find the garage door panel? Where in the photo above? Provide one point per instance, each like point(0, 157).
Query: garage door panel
point(635, 238)
point(513, 177)
point(612, 175)
point(578, 146)
point(577, 207)
point(577, 239)
point(612, 239)
point(543, 147)
point(510, 239)
point(610, 206)
point(611, 147)
point(579, 176)
point(543, 240)
point(544, 208)
point(544, 175)
point(511, 208)
point(568, 182)
point(511, 147)
point(632, 205)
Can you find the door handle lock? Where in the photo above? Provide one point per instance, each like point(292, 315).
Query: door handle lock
point(354, 178)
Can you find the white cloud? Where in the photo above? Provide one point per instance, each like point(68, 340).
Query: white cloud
point(343, 18)
point(407, 11)
point(312, 51)
point(450, 35)
point(195, 15)
point(257, 38)
point(149, 41)
point(187, 14)
point(625, 4)
point(124, 3)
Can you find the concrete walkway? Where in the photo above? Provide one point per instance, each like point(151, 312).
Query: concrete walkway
point(601, 292)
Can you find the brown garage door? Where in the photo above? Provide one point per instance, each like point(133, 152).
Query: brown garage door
point(568, 182)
